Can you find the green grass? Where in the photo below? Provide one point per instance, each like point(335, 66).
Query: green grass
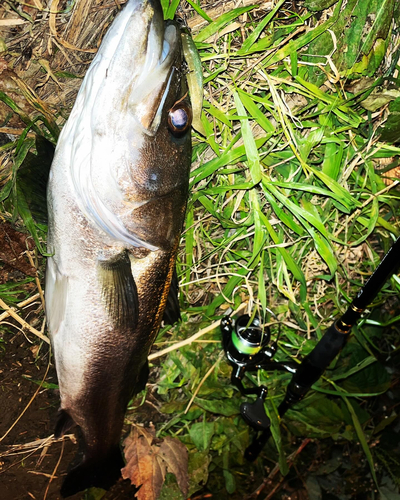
point(289, 212)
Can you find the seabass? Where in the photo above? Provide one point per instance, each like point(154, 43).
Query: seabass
point(116, 199)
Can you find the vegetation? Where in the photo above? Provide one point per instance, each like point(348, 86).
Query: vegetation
point(294, 201)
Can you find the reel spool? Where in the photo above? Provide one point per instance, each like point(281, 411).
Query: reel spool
point(246, 345)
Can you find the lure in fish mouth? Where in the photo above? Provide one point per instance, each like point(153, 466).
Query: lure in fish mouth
point(117, 196)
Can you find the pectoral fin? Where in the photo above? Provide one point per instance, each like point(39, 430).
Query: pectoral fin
point(119, 291)
point(56, 296)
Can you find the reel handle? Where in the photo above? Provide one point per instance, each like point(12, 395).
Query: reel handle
point(254, 413)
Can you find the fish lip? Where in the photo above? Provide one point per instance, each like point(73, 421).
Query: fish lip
point(129, 68)
point(137, 56)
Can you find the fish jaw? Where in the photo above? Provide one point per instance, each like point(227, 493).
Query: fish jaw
point(120, 111)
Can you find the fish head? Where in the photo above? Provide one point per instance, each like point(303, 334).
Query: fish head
point(132, 131)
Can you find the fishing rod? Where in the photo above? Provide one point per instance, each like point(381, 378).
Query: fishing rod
point(246, 345)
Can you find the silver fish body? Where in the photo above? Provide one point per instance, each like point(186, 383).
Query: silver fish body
point(117, 195)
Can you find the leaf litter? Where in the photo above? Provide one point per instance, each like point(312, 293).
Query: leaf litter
point(149, 459)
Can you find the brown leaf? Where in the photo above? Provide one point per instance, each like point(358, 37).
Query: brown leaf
point(175, 455)
point(142, 467)
point(149, 459)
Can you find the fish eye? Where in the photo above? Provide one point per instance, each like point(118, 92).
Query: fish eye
point(180, 118)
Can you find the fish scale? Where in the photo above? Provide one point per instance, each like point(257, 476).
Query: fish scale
point(117, 196)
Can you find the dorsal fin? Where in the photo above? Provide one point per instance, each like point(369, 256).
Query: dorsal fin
point(64, 424)
point(32, 177)
point(172, 312)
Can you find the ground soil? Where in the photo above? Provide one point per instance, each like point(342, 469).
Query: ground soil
point(28, 474)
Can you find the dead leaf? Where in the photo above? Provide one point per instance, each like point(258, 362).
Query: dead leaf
point(3, 65)
point(391, 175)
point(142, 467)
point(175, 455)
point(12, 22)
point(34, 350)
point(149, 459)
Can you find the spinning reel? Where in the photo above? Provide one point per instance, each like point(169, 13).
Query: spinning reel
point(246, 344)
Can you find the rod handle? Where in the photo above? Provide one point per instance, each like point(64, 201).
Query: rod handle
point(313, 365)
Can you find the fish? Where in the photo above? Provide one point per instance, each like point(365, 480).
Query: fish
point(117, 194)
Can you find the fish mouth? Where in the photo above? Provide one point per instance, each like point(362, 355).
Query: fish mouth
point(120, 101)
point(139, 52)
